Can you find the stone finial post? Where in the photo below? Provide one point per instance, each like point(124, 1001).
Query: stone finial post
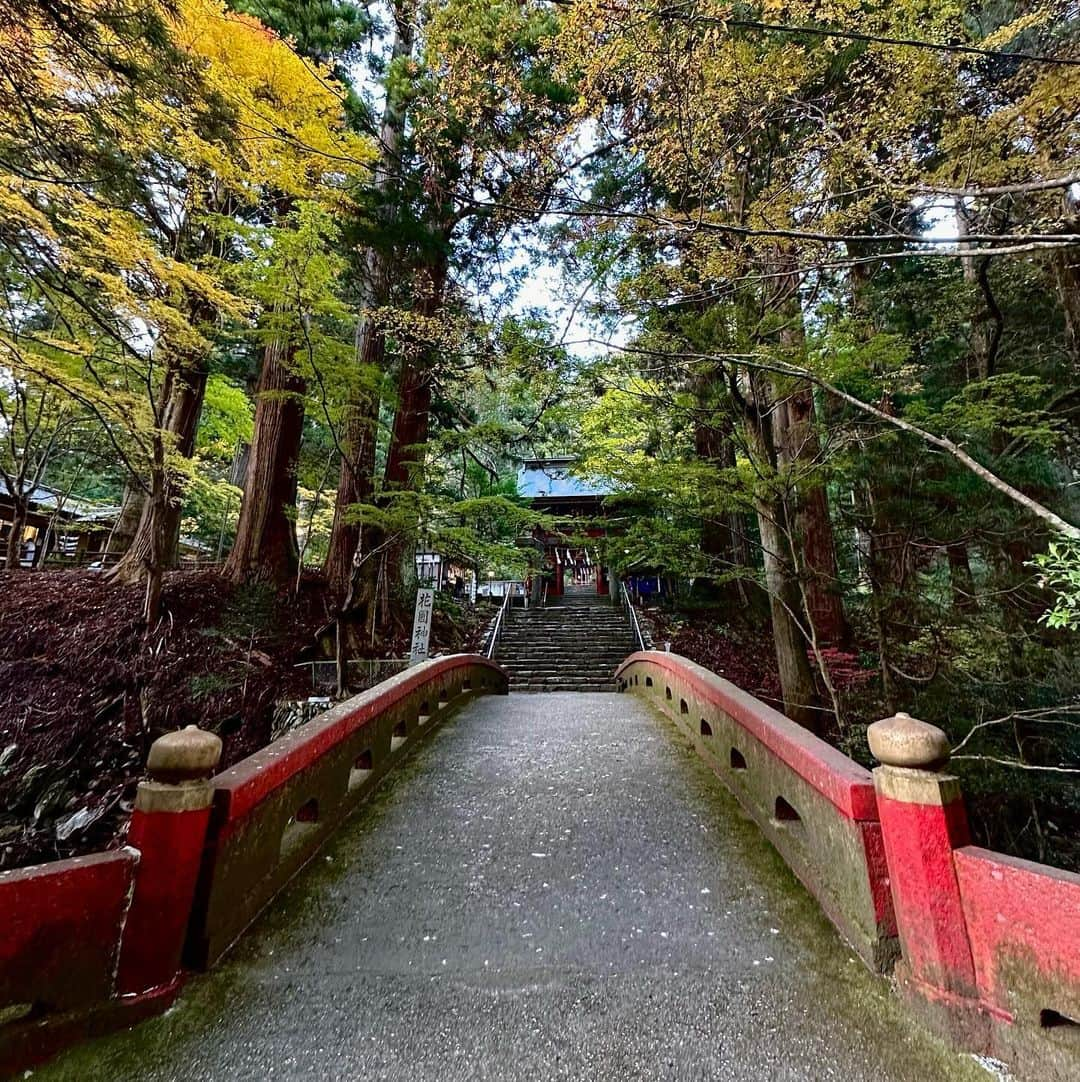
point(922, 821)
point(168, 827)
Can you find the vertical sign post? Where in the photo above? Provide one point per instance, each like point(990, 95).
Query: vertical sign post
point(421, 634)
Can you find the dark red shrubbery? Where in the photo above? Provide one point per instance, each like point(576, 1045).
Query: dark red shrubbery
point(83, 692)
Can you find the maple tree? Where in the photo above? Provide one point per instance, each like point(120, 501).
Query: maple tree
point(271, 261)
point(149, 250)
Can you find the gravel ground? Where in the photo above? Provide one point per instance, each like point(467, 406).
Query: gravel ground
point(554, 887)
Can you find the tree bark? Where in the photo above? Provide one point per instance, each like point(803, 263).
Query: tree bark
point(154, 547)
point(984, 335)
point(722, 536)
point(963, 583)
point(238, 471)
point(405, 457)
point(408, 440)
point(796, 677)
point(785, 603)
point(19, 513)
point(357, 481)
point(127, 522)
point(799, 452)
point(265, 549)
point(1067, 274)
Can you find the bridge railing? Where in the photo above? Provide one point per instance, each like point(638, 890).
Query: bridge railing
point(59, 950)
point(991, 943)
point(98, 942)
point(986, 946)
point(815, 805)
point(273, 811)
point(500, 622)
point(632, 617)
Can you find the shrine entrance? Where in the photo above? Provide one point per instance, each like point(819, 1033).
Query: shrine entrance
point(570, 553)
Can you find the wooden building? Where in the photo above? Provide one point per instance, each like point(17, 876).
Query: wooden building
point(59, 529)
point(570, 552)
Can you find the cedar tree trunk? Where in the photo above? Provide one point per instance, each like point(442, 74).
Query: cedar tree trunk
point(265, 548)
point(153, 549)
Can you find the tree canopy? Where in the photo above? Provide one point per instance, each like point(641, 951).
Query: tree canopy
point(302, 283)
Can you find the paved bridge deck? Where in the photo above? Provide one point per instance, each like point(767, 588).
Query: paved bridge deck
point(553, 887)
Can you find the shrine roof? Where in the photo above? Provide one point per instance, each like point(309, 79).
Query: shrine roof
point(550, 478)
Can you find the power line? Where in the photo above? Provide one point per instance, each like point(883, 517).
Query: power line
point(911, 43)
point(674, 12)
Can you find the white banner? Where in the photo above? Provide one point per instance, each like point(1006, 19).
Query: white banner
point(421, 634)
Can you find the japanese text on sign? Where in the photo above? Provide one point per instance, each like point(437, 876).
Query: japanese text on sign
point(421, 635)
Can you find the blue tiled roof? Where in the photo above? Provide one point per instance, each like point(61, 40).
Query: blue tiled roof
point(550, 478)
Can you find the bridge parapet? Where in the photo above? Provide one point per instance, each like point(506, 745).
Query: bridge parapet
point(991, 943)
point(814, 804)
point(98, 942)
point(274, 810)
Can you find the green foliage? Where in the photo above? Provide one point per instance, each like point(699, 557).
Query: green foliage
point(1060, 570)
point(852, 355)
point(211, 510)
point(1008, 405)
point(226, 419)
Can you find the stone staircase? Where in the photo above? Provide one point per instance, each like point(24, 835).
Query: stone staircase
point(575, 643)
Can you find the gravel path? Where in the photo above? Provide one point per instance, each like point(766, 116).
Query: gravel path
point(554, 887)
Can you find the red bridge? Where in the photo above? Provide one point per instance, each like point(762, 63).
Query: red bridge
point(547, 886)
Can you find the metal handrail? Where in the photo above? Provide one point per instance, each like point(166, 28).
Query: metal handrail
point(490, 652)
point(635, 625)
point(374, 668)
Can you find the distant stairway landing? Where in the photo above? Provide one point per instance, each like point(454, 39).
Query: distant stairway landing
point(574, 644)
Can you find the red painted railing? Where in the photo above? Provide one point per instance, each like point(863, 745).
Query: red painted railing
point(96, 942)
point(990, 944)
point(815, 804)
point(274, 810)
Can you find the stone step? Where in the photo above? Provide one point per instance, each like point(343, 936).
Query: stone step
point(561, 664)
point(583, 686)
point(562, 682)
point(548, 662)
point(548, 634)
point(577, 643)
point(545, 638)
point(564, 661)
point(575, 649)
point(520, 615)
point(566, 614)
point(601, 672)
point(576, 646)
point(573, 645)
point(548, 625)
point(562, 625)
